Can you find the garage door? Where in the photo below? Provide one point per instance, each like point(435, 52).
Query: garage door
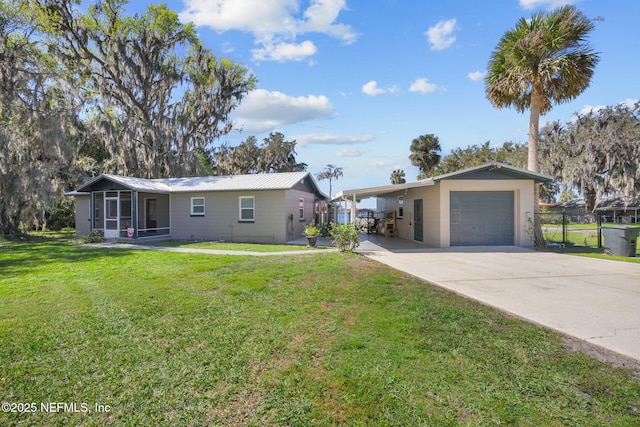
point(481, 218)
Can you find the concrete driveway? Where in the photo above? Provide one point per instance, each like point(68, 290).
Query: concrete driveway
point(594, 300)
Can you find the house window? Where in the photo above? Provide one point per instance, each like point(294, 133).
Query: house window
point(301, 207)
point(197, 206)
point(400, 207)
point(247, 209)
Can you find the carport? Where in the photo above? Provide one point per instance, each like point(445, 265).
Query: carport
point(492, 204)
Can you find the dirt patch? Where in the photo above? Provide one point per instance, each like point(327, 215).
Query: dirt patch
point(602, 355)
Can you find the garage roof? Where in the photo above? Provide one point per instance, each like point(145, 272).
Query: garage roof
point(487, 171)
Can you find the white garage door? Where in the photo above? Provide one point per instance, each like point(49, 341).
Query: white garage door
point(481, 218)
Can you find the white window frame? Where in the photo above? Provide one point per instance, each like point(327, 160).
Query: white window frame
point(301, 209)
point(252, 209)
point(400, 207)
point(193, 211)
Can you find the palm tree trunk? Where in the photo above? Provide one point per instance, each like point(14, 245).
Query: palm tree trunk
point(532, 161)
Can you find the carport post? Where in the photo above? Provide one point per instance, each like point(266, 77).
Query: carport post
point(353, 209)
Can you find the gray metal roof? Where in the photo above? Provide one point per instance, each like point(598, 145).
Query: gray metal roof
point(513, 171)
point(266, 181)
point(507, 170)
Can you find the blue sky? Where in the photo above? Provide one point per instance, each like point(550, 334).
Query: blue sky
point(354, 81)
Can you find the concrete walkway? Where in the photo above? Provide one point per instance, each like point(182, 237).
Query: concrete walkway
point(309, 251)
point(594, 300)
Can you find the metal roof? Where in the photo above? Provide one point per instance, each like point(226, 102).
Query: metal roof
point(266, 181)
point(461, 174)
point(502, 167)
point(381, 190)
point(137, 184)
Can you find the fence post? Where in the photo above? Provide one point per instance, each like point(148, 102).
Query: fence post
point(599, 222)
point(564, 228)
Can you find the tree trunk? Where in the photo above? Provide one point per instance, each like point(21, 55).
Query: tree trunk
point(532, 162)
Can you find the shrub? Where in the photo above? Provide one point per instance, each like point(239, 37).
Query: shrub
point(96, 236)
point(345, 236)
point(62, 215)
point(310, 230)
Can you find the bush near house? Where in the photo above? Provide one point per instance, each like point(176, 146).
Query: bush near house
point(345, 236)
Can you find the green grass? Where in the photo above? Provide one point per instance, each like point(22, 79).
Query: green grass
point(228, 246)
point(583, 242)
point(324, 339)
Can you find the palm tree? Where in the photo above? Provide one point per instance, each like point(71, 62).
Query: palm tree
point(425, 153)
point(397, 177)
point(543, 60)
point(330, 172)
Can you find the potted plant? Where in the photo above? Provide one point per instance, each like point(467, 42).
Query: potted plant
point(311, 232)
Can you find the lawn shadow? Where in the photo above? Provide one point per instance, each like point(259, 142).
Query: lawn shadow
point(26, 253)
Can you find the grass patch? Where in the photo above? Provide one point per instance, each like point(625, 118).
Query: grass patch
point(226, 246)
point(582, 240)
point(167, 338)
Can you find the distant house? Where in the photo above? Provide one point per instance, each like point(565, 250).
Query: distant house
point(269, 208)
point(486, 205)
point(618, 209)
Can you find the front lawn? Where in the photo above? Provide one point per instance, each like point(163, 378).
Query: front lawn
point(161, 338)
point(230, 246)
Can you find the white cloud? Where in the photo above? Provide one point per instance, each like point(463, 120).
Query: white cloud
point(372, 89)
point(422, 85)
point(275, 24)
point(285, 52)
point(321, 15)
point(330, 139)
point(263, 110)
point(476, 75)
point(441, 35)
point(352, 152)
point(587, 109)
point(548, 4)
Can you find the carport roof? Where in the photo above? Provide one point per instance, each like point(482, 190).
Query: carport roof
point(493, 170)
point(380, 191)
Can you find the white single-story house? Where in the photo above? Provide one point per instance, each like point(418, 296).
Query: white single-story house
point(492, 204)
point(269, 208)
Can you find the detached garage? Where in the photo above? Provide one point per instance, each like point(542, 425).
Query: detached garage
point(489, 205)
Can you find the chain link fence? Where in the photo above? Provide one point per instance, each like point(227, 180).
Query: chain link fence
point(563, 230)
